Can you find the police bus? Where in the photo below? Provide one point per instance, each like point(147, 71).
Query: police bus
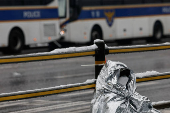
point(86, 20)
point(27, 23)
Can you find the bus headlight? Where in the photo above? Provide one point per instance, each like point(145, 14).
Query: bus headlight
point(62, 32)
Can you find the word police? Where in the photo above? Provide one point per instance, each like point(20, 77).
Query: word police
point(31, 14)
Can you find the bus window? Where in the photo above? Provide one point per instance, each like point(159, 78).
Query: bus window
point(24, 2)
point(37, 2)
point(31, 2)
point(152, 1)
point(75, 8)
point(11, 2)
point(166, 1)
point(62, 8)
point(90, 2)
point(133, 1)
point(45, 2)
point(112, 2)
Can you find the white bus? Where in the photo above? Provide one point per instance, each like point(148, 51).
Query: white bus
point(86, 20)
point(28, 23)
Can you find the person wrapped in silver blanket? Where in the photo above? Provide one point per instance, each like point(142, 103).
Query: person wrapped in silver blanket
point(116, 91)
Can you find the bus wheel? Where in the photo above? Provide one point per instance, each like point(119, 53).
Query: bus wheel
point(16, 41)
point(157, 32)
point(95, 34)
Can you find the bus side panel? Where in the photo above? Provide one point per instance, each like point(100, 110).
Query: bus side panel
point(124, 28)
point(49, 30)
point(164, 24)
point(167, 25)
point(76, 33)
point(32, 32)
point(141, 27)
point(4, 31)
point(109, 32)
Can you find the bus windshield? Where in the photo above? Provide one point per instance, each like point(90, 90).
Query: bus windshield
point(24, 2)
point(62, 8)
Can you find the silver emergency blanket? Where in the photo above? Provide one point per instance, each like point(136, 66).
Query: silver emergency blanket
point(114, 96)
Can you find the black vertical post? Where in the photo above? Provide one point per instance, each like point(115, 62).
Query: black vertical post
point(99, 56)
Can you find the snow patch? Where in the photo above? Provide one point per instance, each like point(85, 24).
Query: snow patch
point(74, 49)
point(146, 74)
point(98, 40)
point(90, 81)
point(16, 74)
point(57, 51)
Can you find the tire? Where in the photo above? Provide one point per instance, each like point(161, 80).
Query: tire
point(157, 32)
point(95, 34)
point(16, 42)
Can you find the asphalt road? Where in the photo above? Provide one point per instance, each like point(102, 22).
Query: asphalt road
point(35, 75)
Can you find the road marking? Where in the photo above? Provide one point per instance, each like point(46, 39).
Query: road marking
point(46, 108)
point(12, 104)
point(44, 102)
point(146, 83)
point(76, 75)
point(77, 93)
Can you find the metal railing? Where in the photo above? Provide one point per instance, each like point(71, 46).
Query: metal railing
point(99, 50)
point(90, 84)
point(47, 91)
point(57, 54)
